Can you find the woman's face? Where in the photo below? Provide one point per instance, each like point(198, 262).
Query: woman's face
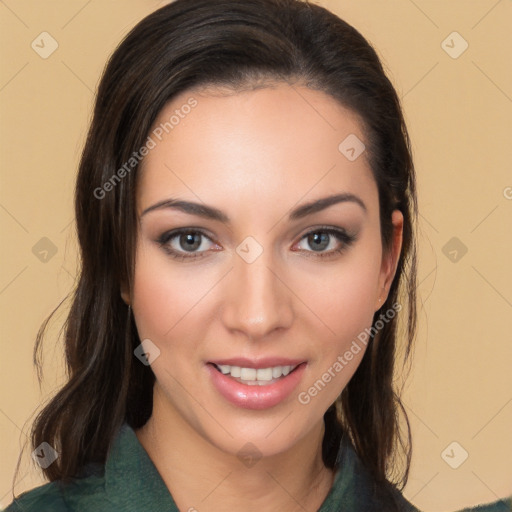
point(269, 277)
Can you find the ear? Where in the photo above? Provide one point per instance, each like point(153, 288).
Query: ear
point(125, 294)
point(390, 259)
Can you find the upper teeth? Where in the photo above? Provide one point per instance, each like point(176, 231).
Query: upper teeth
point(253, 374)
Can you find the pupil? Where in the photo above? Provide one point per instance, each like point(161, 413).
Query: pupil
point(192, 241)
point(317, 241)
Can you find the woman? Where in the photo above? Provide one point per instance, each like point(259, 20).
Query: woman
point(245, 209)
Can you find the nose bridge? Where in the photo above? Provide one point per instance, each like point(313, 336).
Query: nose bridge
point(257, 302)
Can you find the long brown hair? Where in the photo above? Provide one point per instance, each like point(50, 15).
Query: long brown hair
point(191, 43)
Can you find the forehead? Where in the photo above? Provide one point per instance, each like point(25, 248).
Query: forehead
point(277, 143)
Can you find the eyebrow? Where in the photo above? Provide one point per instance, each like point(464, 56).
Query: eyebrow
point(209, 212)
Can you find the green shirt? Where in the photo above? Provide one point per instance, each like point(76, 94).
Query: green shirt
point(131, 483)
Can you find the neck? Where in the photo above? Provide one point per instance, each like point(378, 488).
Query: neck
point(202, 477)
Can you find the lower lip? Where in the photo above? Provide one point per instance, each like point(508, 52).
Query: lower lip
point(255, 397)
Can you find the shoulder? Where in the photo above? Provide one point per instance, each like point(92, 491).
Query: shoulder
point(128, 481)
point(355, 489)
point(503, 505)
point(58, 496)
point(47, 497)
point(366, 494)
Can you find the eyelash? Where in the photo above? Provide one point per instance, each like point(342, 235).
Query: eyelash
point(340, 234)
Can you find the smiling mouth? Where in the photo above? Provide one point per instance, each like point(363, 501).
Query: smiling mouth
point(256, 377)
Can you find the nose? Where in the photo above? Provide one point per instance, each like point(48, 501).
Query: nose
point(257, 300)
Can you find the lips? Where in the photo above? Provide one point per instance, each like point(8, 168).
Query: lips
point(254, 384)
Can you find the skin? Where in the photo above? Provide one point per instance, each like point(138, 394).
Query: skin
point(255, 155)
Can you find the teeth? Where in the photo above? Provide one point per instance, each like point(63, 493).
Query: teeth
point(253, 376)
point(248, 373)
point(264, 374)
point(235, 371)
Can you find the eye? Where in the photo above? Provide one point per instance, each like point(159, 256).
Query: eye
point(323, 238)
point(184, 243)
point(192, 243)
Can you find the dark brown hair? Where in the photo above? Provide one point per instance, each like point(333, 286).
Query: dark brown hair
point(192, 43)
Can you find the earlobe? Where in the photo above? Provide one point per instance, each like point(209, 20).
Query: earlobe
point(397, 219)
point(125, 295)
point(390, 260)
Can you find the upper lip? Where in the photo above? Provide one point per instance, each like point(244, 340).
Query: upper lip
point(264, 362)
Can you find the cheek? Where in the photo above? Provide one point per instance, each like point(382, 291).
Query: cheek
point(345, 305)
point(163, 295)
point(344, 295)
point(347, 299)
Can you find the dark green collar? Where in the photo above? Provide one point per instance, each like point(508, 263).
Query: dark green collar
point(132, 481)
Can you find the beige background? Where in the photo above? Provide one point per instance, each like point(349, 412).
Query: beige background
point(459, 115)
